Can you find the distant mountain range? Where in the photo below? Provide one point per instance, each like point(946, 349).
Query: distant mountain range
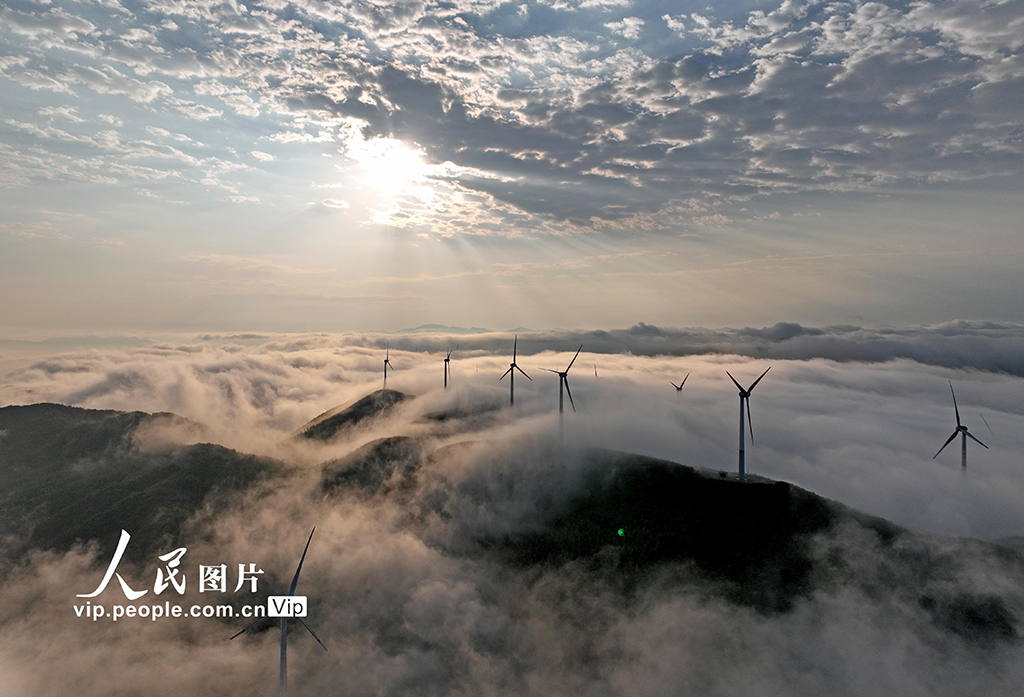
point(443, 329)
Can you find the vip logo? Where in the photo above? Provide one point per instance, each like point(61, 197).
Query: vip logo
point(286, 606)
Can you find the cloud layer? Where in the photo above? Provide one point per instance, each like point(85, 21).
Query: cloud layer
point(852, 414)
point(539, 116)
point(407, 608)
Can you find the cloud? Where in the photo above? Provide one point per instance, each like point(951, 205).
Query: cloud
point(628, 27)
point(552, 129)
point(34, 231)
point(110, 81)
point(851, 413)
point(407, 600)
point(228, 261)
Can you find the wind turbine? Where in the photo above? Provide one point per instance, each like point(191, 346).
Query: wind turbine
point(447, 360)
point(964, 434)
point(679, 387)
point(512, 367)
point(563, 379)
point(387, 362)
point(284, 623)
point(745, 401)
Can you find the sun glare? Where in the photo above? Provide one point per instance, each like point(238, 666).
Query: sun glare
point(391, 167)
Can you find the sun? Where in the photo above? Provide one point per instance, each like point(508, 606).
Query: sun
point(391, 167)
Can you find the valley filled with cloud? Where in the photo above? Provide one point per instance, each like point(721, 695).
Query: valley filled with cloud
point(441, 561)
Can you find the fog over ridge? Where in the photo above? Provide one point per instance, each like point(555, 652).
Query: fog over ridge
point(861, 430)
point(410, 601)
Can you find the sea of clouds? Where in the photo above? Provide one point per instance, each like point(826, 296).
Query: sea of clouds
point(404, 612)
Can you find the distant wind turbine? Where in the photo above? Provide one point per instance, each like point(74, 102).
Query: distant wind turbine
point(679, 387)
point(745, 401)
point(964, 434)
point(387, 362)
point(447, 360)
point(512, 367)
point(563, 379)
point(284, 624)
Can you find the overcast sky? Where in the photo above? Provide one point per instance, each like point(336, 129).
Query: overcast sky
point(376, 165)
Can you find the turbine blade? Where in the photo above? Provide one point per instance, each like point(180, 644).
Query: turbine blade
point(574, 357)
point(550, 371)
point(955, 408)
point(751, 388)
point(565, 379)
point(738, 387)
point(524, 374)
point(948, 441)
point(976, 440)
point(749, 422)
point(259, 621)
point(295, 579)
point(684, 381)
point(674, 385)
point(506, 373)
point(514, 345)
point(310, 630)
point(986, 424)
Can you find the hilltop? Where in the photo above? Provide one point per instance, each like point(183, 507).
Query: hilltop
point(340, 419)
point(71, 475)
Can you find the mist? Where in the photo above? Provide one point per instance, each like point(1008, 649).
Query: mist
point(409, 600)
point(861, 433)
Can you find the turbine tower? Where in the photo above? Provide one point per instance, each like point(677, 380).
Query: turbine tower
point(447, 360)
point(284, 624)
point(512, 367)
point(964, 434)
point(387, 362)
point(563, 379)
point(745, 401)
point(679, 387)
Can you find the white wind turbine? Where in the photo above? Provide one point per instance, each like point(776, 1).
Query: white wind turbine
point(962, 431)
point(387, 362)
point(563, 380)
point(745, 401)
point(283, 683)
point(447, 369)
point(512, 367)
